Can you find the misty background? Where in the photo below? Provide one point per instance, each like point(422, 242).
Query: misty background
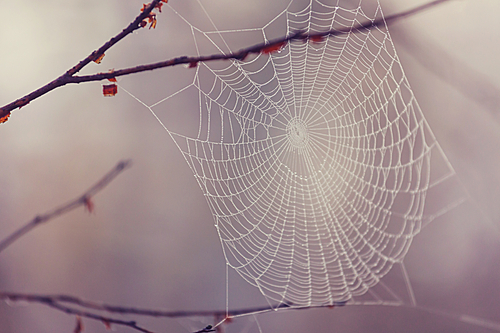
point(151, 241)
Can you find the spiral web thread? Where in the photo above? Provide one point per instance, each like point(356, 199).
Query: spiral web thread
point(315, 161)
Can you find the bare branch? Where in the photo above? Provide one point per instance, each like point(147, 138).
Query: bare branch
point(105, 320)
point(258, 48)
point(122, 310)
point(64, 79)
point(77, 306)
point(69, 76)
point(55, 303)
point(83, 200)
point(134, 25)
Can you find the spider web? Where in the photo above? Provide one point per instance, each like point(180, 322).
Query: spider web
point(316, 161)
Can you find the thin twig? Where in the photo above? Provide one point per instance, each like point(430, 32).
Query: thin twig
point(74, 305)
point(54, 302)
point(122, 310)
point(69, 76)
point(83, 200)
point(80, 307)
point(255, 49)
point(105, 320)
point(64, 78)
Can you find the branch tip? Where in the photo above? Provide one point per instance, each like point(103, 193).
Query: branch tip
point(84, 199)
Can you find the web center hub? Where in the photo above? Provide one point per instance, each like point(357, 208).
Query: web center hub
point(297, 133)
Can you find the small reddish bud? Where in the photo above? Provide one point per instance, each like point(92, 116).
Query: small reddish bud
point(273, 48)
point(98, 59)
point(4, 118)
point(107, 324)
point(79, 325)
point(89, 204)
point(316, 39)
point(109, 90)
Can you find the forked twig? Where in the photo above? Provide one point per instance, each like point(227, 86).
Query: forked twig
point(95, 55)
point(80, 307)
point(269, 47)
point(83, 200)
point(77, 306)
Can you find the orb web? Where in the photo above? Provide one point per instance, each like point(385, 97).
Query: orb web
point(315, 160)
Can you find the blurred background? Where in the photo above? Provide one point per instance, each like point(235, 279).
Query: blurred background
point(151, 241)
